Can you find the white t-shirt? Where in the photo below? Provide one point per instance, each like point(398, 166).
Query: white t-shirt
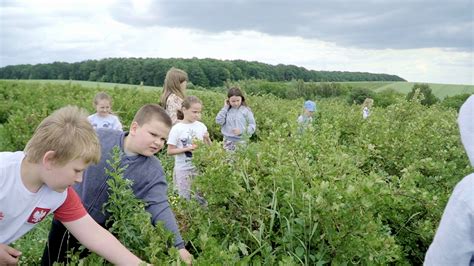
point(21, 209)
point(182, 135)
point(365, 112)
point(110, 121)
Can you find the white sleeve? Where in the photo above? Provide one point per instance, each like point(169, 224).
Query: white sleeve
point(466, 127)
point(173, 136)
point(117, 124)
point(453, 243)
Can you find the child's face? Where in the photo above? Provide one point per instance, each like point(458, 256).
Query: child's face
point(149, 138)
point(235, 101)
point(193, 114)
point(60, 177)
point(103, 107)
point(308, 112)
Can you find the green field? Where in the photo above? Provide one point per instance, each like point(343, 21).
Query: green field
point(440, 90)
point(343, 190)
point(86, 84)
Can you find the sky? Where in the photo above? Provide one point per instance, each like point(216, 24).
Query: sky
point(418, 40)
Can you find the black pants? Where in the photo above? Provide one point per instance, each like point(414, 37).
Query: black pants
point(60, 241)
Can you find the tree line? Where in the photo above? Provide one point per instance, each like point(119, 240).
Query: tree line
point(202, 72)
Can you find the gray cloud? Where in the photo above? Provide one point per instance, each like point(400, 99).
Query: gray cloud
point(369, 24)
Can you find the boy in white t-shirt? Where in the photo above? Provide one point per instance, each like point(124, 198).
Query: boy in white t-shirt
point(38, 181)
point(182, 142)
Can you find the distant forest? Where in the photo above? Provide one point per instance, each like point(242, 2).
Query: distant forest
point(201, 72)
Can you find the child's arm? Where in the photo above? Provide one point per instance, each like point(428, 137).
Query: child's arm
point(206, 139)
point(222, 115)
point(251, 124)
point(173, 150)
point(101, 241)
point(8, 255)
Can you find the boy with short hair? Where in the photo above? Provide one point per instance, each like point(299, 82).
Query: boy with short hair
point(453, 243)
point(38, 181)
point(148, 133)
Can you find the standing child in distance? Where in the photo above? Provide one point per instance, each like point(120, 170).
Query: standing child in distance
point(38, 181)
point(236, 119)
point(182, 142)
point(103, 118)
point(368, 102)
point(453, 243)
point(306, 117)
point(147, 136)
point(174, 92)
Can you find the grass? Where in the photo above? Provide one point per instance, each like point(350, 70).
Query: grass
point(87, 84)
point(439, 90)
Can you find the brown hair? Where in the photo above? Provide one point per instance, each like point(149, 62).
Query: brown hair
point(174, 78)
point(149, 112)
point(236, 91)
point(101, 96)
point(69, 134)
point(190, 100)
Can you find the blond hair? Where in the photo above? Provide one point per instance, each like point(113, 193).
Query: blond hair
point(368, 102)
point(174, 78)
point(150, 112)
point(69, 134)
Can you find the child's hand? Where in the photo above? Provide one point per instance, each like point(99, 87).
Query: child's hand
point(206, 138)
point(192, 147)
point(226, 102)
point(185, 256)
point(236, 131)
point(8, 255)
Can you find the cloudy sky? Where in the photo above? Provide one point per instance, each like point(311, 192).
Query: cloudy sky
point(419, 40)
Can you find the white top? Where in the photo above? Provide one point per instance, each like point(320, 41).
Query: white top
point(453, 243)
point(365, 112)
point(110, 121)
point(466, 127)
point(21, 209)
point(182, 135)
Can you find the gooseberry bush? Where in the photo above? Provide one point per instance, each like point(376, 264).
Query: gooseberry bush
point(343, 191)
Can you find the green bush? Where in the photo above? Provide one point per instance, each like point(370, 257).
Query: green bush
point(345, 191)
point(422, 93)
point(455, 101)
point(358, 95)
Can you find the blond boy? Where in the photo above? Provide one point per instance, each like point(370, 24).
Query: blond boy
point(38, 181)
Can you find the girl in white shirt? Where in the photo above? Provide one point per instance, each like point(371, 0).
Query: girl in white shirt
point(182, 141)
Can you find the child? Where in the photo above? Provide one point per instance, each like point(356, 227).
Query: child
point(308, 111)
point(148, 133)
point(368, 102)
point(181, 144)
point(103, 118)
point(453, 243)
point(37, 182)
point(235, 118)
point(174, 91)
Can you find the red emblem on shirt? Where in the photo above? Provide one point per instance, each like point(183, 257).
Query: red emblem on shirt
point(1, 216)
point(37, 215)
